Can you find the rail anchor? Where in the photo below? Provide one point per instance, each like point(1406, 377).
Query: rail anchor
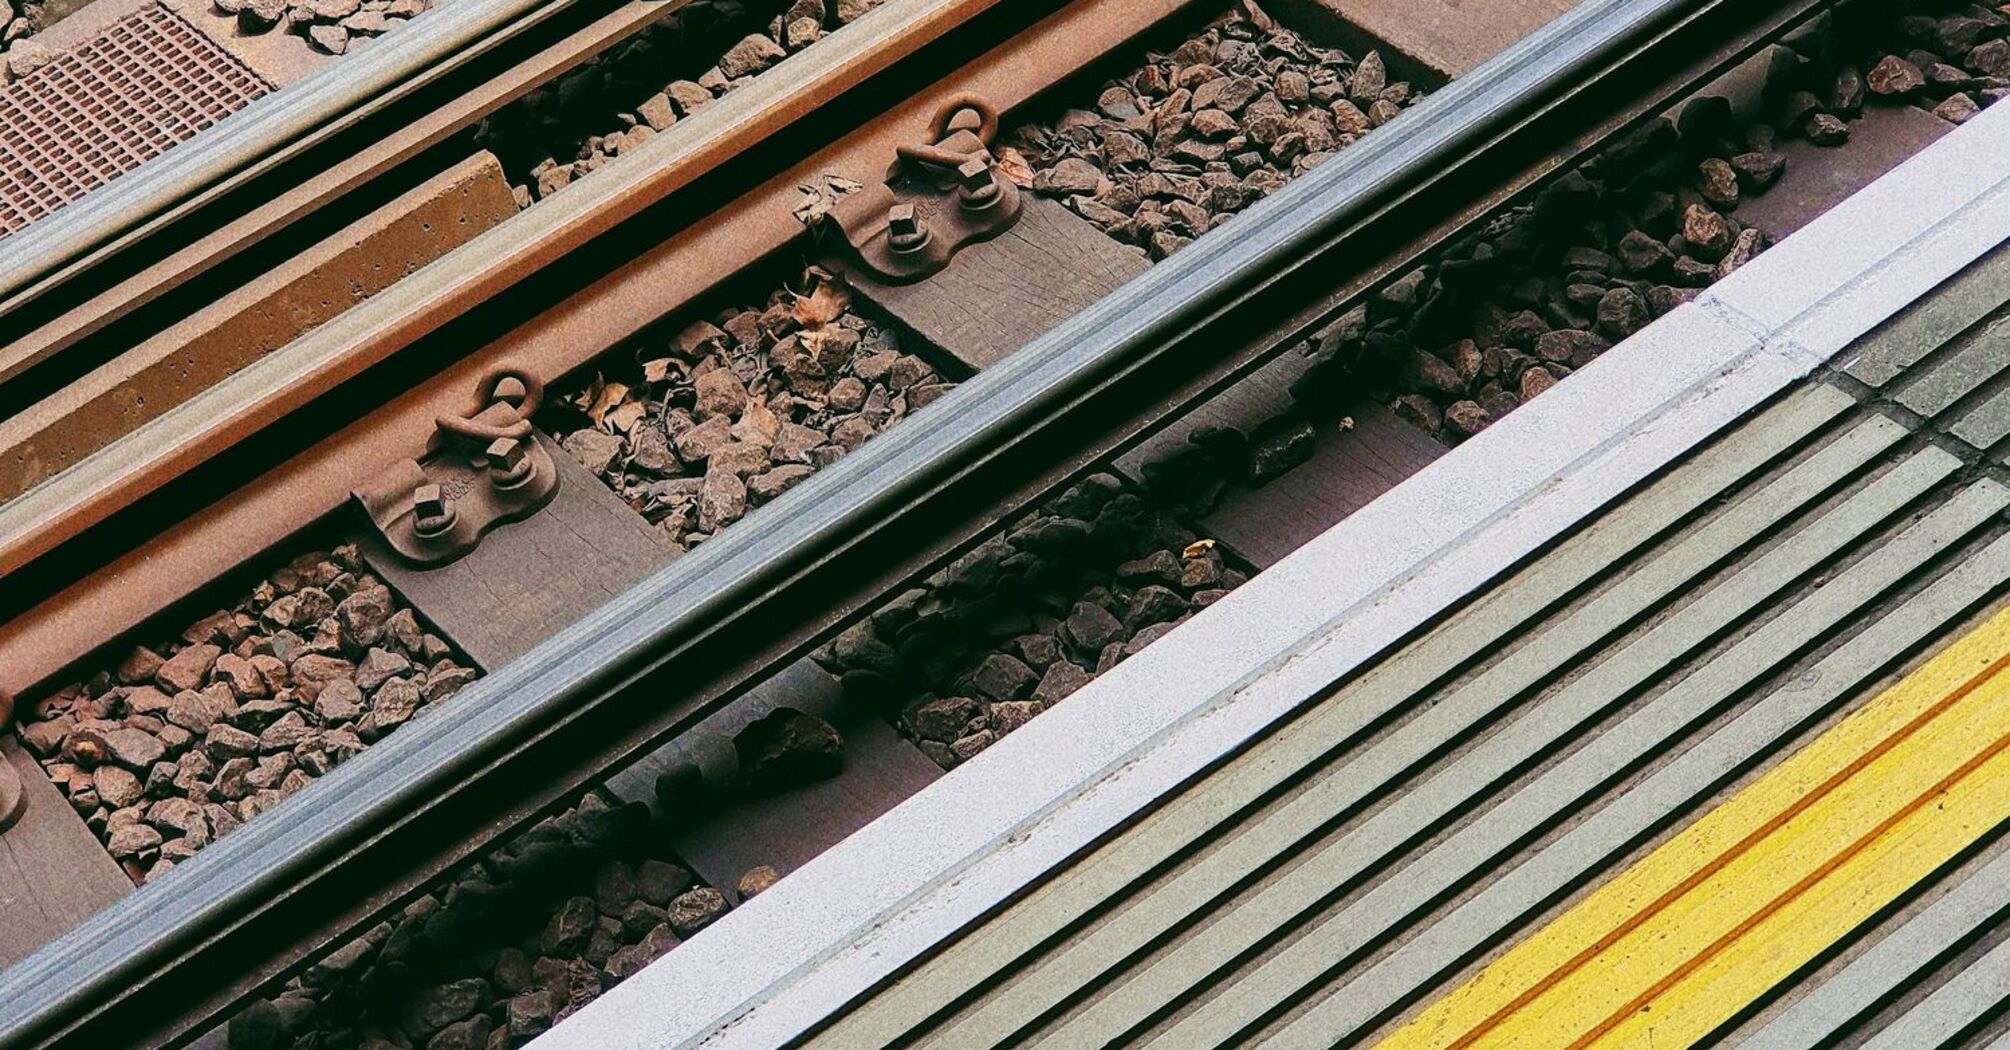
point(477, 473)
point(939, 197)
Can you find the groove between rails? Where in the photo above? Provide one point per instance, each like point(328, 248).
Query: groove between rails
point(1955, 700)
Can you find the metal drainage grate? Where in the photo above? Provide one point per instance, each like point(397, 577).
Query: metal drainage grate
point(149, 81)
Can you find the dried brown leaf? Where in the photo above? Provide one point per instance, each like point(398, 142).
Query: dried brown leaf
point(813, 208)
point(585, 399)
point(623, 417)
point(812, 341)
point(656, 371)
point(822, 306)
point(610, 395)
point(1012, 164)
point(820, 196)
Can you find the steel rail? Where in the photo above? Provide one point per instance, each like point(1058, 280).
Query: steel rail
point(91, 313)
point(72, 619)
point(477, 272)
point(88, 981)
point(261, 136)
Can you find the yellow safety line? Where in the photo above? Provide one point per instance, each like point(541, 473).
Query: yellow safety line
point(1701, 927)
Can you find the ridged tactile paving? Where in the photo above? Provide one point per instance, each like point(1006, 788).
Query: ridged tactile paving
point(1591, 724)
point(99, 111)
point(1686, 939)
point(1948, 357)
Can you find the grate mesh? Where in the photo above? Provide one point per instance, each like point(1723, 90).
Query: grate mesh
point(149, 81)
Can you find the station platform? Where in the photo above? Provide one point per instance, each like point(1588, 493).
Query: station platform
point(1672, 710)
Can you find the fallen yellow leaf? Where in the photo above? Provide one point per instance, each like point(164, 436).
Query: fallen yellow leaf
point(1197, 548)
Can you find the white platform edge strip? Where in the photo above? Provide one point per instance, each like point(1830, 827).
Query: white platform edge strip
point(777, 967)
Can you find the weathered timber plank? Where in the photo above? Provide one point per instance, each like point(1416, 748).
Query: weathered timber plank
point(1434, 39)
point(995, 297)
point(530, 578)
point(53, 871)
point(1348, 470)
point(1820, 177)
point(784, 830)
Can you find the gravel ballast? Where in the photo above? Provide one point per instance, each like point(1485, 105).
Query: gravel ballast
point(1027, 618)
point(494, 955)
point(19, 55)
point(1196, 134)
point(1544, 288)
point(736, 407)
point(334, 27)
point(644, 85)
point(178, 743)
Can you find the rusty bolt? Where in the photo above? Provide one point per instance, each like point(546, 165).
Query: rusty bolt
point(431, 513)
point(509, 462)
point(979, 184)
point(905, 232)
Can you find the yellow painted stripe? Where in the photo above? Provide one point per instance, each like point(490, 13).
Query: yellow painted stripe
point(1700, 928)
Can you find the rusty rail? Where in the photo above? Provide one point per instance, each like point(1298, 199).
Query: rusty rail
point(264, 134)
point(212, 541)
point(698, 619)
point(94, 312)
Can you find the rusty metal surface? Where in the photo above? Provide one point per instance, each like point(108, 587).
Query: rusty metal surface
point(1115, 412)
point(272, 217)
point(284, 381)
point(48, 256)
point(527, 582)
point(149, 83)
point(286, 301)
point(945, 194)
point(484, 471)
point(212, 541)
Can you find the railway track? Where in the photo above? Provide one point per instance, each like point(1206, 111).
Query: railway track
point(508, 485)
